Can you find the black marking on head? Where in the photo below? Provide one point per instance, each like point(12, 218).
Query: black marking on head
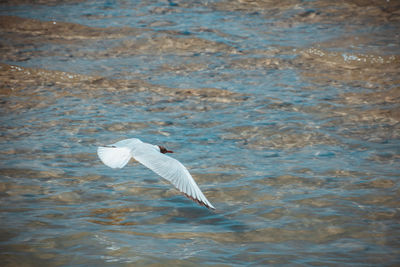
point(164, 150)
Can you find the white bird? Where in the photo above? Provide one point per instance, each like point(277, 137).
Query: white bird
point(153, 157)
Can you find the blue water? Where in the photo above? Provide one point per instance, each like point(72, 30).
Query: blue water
point(296, 145)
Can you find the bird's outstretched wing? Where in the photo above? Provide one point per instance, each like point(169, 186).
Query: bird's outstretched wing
point(114, 157)
point(172, 170)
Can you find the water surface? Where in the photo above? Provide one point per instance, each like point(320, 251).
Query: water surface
point(287, 115)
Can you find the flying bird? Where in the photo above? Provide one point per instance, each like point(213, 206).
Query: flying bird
point(117, 155)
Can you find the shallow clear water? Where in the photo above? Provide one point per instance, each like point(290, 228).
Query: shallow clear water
point(286, 114)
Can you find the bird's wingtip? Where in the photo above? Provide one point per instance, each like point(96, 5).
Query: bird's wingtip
point(201, 203)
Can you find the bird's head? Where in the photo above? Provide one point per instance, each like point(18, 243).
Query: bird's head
point(164, 150)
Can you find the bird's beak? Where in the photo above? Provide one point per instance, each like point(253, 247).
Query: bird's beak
point(164, 150)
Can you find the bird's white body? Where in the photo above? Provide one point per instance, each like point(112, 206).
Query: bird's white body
point(118, 155)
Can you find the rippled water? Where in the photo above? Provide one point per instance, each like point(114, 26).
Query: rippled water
point(287, 115)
